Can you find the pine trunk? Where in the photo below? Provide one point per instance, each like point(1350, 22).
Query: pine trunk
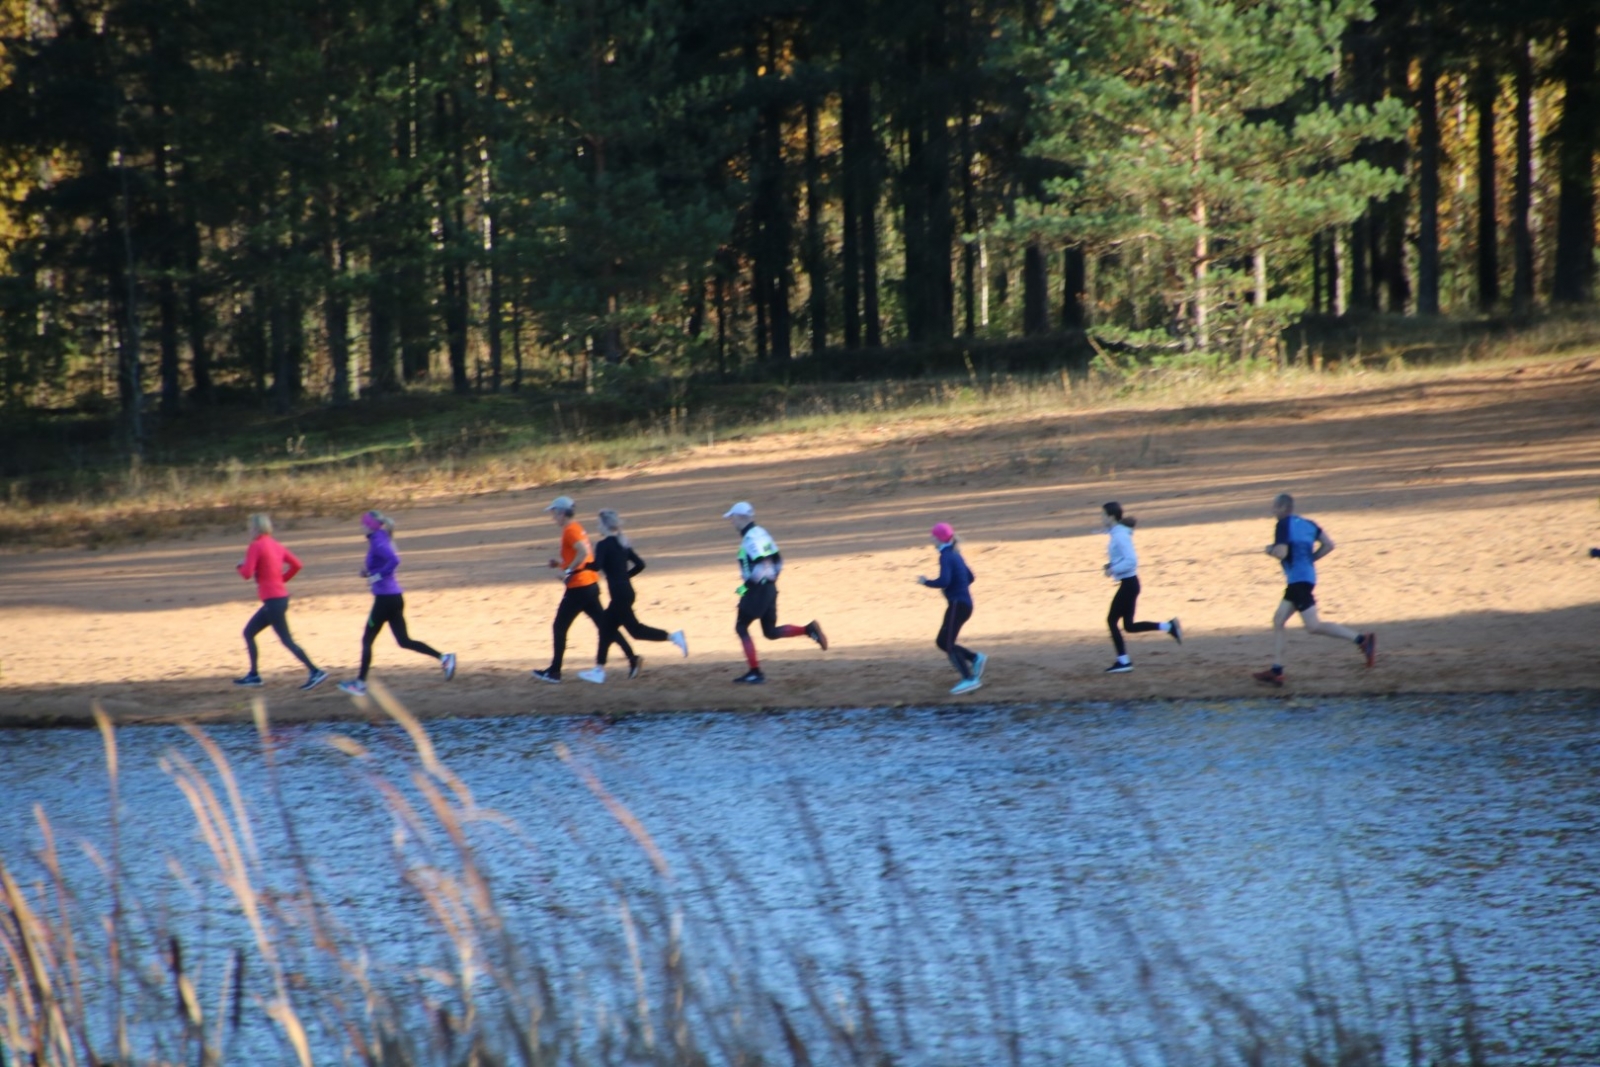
point(195, 316)
point(969, 226)
point(167, 291)
point(1484, 91)
point(776, 245)
point(382, 374)
point(1389, 269)
point(285, 374)
point(816, 263)
point(851, 180)
point(1073, 284)
point(1573, 281)
point(167, 298)
point(1363, 50)
point(1522, 282)
point(336, 323)
point(914, 234)
point(452, 213)
point(867, 217)
point(1428, 185)
point(1035, 292)
point(938, 284)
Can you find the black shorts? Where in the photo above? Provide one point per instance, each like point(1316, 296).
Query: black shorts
point(1299, 594)
point(759, 603)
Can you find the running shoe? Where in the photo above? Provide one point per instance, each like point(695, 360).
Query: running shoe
point(635, 665)
point(356, 688)
point(1368, 644)
point(597, 675)
point(814, 631)
point(681, 641)
point(1119, 668)
point(750, 678)
point(966, 685)
point(252, 680)
point(1177, 629)
point(979, 663)
point(1270, 677)
point(318, 676)
point(447, 663)
point(548, 675)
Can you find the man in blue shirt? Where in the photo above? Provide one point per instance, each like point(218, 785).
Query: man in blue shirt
point(1297, 544)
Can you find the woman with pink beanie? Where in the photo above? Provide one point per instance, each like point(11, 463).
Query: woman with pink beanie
point(955, 581)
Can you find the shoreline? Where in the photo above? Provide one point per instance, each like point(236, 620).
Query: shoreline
point(1463, 506)
point(354, 712)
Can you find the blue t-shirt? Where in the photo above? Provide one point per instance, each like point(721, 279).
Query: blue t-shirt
point(1301, 536)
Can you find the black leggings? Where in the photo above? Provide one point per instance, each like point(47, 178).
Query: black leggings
point(389, 608)
point(956, 614)
point(759, 603)
point(619, 616)
point(1122, 606)
point(582, 600)
point(273, 613)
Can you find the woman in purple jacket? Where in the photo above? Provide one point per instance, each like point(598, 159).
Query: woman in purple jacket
point(955, 581)
point(388, 602)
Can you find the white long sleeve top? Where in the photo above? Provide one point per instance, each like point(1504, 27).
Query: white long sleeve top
point(1124, 561)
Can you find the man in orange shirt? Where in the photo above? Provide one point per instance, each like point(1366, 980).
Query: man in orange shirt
point(583, 586)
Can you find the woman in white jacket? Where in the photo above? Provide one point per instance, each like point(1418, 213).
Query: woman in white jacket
point(1123, 565)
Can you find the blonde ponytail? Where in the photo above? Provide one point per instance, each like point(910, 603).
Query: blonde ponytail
point(611, 523)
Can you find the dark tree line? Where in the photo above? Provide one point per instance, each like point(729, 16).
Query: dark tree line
point(208, 199)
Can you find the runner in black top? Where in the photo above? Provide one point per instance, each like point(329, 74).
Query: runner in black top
point(615, 558)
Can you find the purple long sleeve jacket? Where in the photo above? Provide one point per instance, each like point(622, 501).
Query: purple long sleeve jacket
point(382, 562)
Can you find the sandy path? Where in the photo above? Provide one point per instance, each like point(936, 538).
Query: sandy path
point(1462, 504)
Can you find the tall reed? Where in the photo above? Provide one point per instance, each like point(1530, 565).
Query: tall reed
point(270, 968)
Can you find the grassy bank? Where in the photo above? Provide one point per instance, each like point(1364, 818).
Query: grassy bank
point(67, 483)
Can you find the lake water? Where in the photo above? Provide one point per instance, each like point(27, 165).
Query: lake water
point(1120, 883)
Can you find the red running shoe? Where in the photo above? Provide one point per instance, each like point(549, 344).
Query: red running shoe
point(814, 631)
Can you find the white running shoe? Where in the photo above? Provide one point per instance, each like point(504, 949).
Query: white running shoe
point(447, 663)
point(597, 675)
point(966, 686)
point(356, 688)
point(681, 641)
point(979, 664)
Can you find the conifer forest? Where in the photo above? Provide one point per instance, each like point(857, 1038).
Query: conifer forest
point(206, 202)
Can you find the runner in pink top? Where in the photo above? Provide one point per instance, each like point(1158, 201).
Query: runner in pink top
point(271, 566)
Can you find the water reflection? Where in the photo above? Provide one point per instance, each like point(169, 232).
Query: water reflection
point(1072, 873)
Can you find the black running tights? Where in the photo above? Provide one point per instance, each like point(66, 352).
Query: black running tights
point(1122, 606)
point(389, 608)
point(956, 614)
point(273, 613)
point(619, 616)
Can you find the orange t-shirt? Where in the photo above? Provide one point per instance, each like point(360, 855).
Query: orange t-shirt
point(571, 534)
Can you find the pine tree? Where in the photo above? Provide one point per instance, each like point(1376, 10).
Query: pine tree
point(1194, 137)
point(609, 141)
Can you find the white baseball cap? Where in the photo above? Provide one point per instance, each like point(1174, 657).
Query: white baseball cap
point(741, 508)
point(561, 503)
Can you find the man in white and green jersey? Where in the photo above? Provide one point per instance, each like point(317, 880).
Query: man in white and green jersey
point(759, 565)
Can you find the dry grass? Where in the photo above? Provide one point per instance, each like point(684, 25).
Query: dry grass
point(147, 502)
point(100, 974)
